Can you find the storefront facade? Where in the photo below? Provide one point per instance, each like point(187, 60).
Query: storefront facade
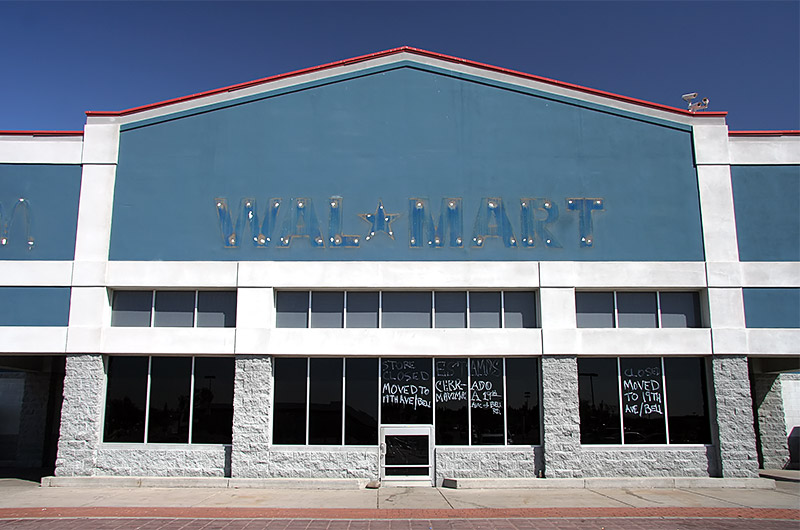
point(411, 267)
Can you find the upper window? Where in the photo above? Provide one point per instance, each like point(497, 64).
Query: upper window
point(638, 309)
point(181, 309)
point(406, 309)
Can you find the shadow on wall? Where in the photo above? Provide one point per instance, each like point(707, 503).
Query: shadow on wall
point(794, 449)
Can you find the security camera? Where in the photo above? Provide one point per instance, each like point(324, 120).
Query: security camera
point(689, 97)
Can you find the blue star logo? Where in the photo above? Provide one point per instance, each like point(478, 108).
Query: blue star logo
point(380, 221)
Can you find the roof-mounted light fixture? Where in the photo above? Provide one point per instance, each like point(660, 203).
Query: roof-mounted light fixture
point(694, 107)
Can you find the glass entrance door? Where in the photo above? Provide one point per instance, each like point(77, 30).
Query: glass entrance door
point(407, 454)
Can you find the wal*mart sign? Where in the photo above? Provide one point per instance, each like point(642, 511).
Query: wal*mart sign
point(280, 223)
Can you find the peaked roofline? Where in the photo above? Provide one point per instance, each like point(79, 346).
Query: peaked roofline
point(415, 51)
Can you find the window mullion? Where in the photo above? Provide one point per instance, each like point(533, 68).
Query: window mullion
point(191, 397)
point(308, 311)
point(344, 393)
point(147, 399)
point(503, 311)
point(380, 309)
point(469, 401)
point(616, 316)
point(153, 310)
point(467, 309)
point(308, 396)
point(194, 323)
point(433, 309)
point(505, 405)
point(619, 394)
point(658, 311)
point(664, 394)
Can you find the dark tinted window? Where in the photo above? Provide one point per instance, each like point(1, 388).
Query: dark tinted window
point(687, 400)
point(598, 391)
point(126, 393)
point(643, 400)
point(131, 308)
point(406, 391)
point(594, 310)
point(520, 309)
point(522, 401)
point(451, 309)
point(361, 402)
point(174, 309)
point(325, 402)
point(212, 418)
point(170, 381)
point(484, 309)
point(290, 401)
point(637, 310)
point(292, 309)
point(486, 401)
point(362, 310)
point(327, 309)
point(451, 394)
point(680, 310)
point(216, 309)
point(406, 310)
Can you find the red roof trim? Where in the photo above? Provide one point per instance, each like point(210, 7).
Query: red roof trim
point(416, 51)
point(41, 133)
point(763, 133)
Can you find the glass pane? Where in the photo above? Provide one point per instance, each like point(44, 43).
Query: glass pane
point(325, 402)
point(292, 309)
point(361, 402)
point(598, 394)
point(407, 450)
point(216, 309)
point(362, 310)
point(594, 310)
point(407, 471)
point(520, 309)
point(680, 310)
point(687, 400)
point(131, 309)
point(486, 401)
point(174, 309)
point(212, 420)
point(406, 310)
point(484, 309)
point(637, 310)
point(126, 393)
point(327, 309)
point(643, 401)
point(290, 401)
point(406, 395)
point(522, 401)
point(451, 310)
point(170, 382)
point(451, 401)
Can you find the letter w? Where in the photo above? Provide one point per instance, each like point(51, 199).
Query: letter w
point(233, 231)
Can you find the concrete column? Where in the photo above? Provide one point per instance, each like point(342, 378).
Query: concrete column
point(768, 403)
point(252, 422)
point(81, 415)
point(562, 433)
point(735, 435)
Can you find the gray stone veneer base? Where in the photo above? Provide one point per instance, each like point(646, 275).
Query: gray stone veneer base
point(734, 415)
point(656, 462)
point(768, 402)
point(455, 462)
point(561, 425)
point(183, 461)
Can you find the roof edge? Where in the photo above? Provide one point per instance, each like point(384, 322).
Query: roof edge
point(763, 133)
point(416, 51)
point(41, 133)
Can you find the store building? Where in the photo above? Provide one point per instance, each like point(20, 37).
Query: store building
point(403, 266)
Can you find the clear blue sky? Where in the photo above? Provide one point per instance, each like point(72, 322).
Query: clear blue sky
point(60, 59)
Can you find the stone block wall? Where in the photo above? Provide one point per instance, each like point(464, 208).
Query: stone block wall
point(81, 414)
point(314, 462)
point(734, 417)
point(656, 462)
point(768, 407)
point(459, 462)
point(180, 461)
point(561, 425)
point(252, 409)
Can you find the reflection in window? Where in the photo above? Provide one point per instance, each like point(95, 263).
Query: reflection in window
point(174, 309)
point(486, 401)
point(595, 310)
point(406, 310)
point(452, 389)
point(292, 309)
point(212, 419)
point(522, 401)
point(131, 308)
point(327, 309)
point(125, 399)
point(680, 310)
point(291, 375)
point(647, 414)
point(406, 391)
point(638, 309)
point(484, 310)
point(451, 309)
point(325, 402)
point(216, 309)
point(519, 309)
point(362, 309)
point(361, 402)
point(170, 382)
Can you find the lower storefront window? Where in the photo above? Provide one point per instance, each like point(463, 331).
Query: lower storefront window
point(477, 401)
point(643, 400)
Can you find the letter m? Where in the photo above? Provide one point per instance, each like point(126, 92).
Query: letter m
point(8, 220)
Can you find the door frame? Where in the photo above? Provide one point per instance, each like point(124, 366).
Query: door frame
point(406, 430)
